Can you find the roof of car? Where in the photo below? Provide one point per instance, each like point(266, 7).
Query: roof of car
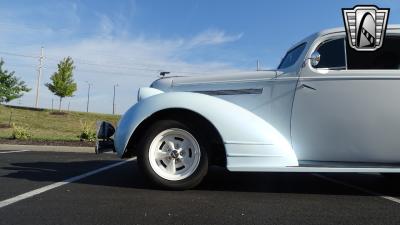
point(341, 29)
point(391, 27)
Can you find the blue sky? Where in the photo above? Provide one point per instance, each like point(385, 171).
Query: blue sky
point(128, 42)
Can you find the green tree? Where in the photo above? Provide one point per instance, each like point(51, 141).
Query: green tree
point(11, 87)
point(62, 82)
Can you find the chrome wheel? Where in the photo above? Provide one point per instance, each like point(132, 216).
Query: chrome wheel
point(174, 154)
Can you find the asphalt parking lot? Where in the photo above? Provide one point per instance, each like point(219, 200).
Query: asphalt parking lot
point(118, 194)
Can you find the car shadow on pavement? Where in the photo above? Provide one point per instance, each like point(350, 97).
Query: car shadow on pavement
point(218, 179)
point(60, 171)
point(299, 183)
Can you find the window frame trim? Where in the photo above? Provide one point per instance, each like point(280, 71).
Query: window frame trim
point(335, 37)
point(345, 54)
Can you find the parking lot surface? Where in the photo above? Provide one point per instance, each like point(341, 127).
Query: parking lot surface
point(118, 194)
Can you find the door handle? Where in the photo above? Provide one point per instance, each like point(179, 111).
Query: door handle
point(307, 86)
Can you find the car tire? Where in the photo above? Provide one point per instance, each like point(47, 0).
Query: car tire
point(173, 155)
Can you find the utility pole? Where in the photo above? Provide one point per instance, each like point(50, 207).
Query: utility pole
point(52, 101)
point(68, 105)
point(258, 65)
point(39, 76)
point(115, 85)
point(88, 94)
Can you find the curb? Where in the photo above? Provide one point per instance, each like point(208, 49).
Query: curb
point(46, 148)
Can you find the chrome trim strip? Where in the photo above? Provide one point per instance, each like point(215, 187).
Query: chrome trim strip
point(245, 143)
point(278, 79)
point(248, 91)
point(222, 82)
point(324, 78)
point(253, 155)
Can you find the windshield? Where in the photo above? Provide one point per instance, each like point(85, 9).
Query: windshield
point(292, 56)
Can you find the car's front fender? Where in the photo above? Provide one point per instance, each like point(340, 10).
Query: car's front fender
point(249, 141)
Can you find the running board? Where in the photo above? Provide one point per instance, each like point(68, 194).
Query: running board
point(310, 169)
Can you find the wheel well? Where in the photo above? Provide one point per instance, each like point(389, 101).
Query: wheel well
point(217, 153)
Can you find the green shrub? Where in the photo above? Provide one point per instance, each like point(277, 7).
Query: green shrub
point(20, 133)
point(87, 133)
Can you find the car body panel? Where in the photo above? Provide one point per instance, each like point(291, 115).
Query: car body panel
point(350, 116)
point(263, 93)
point(261, 141)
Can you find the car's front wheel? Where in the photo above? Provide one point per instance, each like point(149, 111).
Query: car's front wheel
point(173, 155)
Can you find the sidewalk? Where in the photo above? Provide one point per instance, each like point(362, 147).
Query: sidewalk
point(46, 148)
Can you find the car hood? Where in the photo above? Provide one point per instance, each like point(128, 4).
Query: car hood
point(191, 82)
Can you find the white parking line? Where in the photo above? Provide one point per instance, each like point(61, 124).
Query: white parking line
point(390, 198)
point(6, 152)
point(59, 184)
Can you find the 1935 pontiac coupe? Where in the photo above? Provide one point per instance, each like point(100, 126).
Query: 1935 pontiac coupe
point(326, 108)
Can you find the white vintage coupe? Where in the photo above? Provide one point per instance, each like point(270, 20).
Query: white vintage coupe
point(326, 108)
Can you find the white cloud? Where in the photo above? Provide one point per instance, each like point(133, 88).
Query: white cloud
point(106, 25)
point(213, 37)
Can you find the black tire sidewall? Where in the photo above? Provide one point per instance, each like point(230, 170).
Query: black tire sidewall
point(144, 162)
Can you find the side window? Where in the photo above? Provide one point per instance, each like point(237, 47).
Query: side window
point(332, 54)
point(385, 58)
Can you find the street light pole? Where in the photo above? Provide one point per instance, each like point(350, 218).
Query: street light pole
point(115, 85)
point(88, 96)
point(39, 77)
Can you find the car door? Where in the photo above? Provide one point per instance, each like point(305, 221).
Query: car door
point(347, 108)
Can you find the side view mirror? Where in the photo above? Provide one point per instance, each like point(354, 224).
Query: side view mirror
point(315, 58)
